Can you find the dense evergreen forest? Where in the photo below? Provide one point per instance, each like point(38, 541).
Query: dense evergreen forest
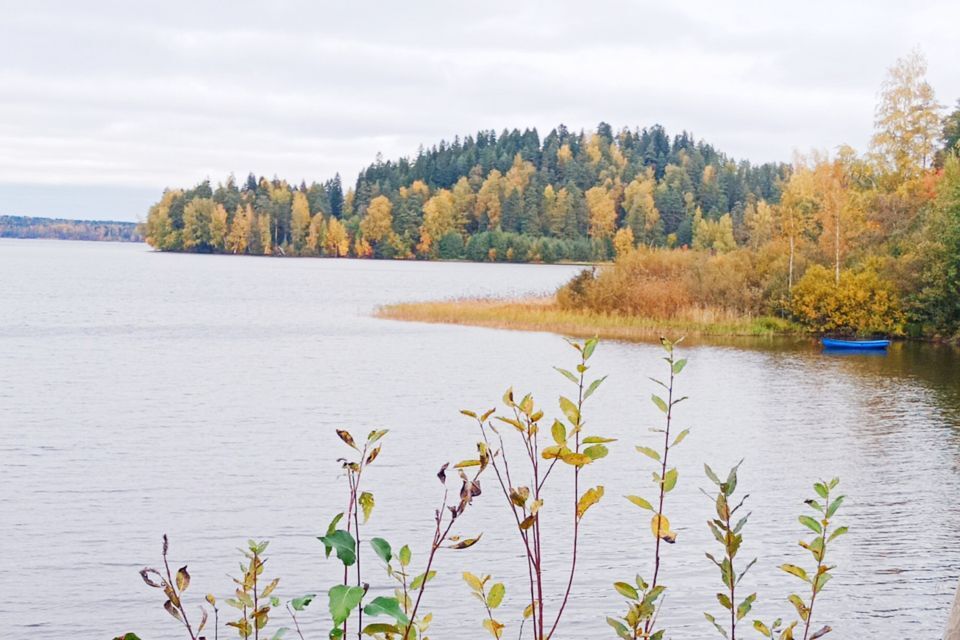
point(837, 241)
point(29, 227)
point(508, 196)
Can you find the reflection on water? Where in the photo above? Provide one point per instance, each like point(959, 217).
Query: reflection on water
point(143, 393)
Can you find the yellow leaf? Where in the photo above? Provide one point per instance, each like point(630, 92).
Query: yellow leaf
point(589, 498)
point(576, 459)
point(660, 526)
point(473, 581)
point(494, 627)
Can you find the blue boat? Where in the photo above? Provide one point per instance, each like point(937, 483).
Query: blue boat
point(835, 343)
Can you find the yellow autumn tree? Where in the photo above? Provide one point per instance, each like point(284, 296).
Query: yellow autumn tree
point(489, 201)
point(378, 221)
point(907, 119)
point(603, 212)
point(713, 235)
point(464, 200)
point(518, 176)
point(160, 233)
point(623, 242)
point(238, 240)
point(316, 235)
point(218, 228)
point(642, 215)
point(197, 216)
point(439, 218)
point(299, 222)
point(336, 243)
point(265, 236)
point(760, 222)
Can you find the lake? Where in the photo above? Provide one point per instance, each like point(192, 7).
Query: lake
point(145, 393)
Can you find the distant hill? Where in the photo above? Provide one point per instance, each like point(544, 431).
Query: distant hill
point(60, 229)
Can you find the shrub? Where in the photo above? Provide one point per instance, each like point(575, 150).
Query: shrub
point(862, 303)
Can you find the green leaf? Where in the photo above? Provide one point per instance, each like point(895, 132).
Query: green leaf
point(679, 365)
point(382, 548)
point(588, 348)
point(724, 601)
point(821, 490)
point(640, 502)
point(626, 590)
point(713, 621)
point(593, 387)
point(569, 376)
point(822, 580)
point(597, 440)
point(343, 600)
point(832, 509)
point(811, 524)
point(836, 534)
point(650, 453)
point(680, 437)
point(344, 544)
point(301, 603)
point(710, 474)
point(762, 628)
point(404, 555)
point(383, 605)
point(330, 529)
point(422, 579)
point(620, 628)
point(670, 480)
point(745, 606)
point(596, 451)
point(279, 633)
point(657, 400)
point(495, 597)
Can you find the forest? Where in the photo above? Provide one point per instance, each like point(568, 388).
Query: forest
point(837, 241)
point(30, 227)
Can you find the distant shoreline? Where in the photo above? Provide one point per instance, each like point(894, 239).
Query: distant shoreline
point(34, 228)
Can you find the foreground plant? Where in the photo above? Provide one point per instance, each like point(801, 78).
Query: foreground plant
point(253, 600)
point(523, 489)
point(726, 528)
point(644, 598)
point(817, 580)
point(173, 588)
point(346, 599)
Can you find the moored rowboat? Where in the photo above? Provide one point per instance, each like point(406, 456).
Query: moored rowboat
point(836, 343)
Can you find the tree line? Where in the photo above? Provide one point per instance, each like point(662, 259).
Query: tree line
point(506, 197)
point(30, 227)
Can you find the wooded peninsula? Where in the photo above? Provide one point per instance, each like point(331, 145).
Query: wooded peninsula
point(838, 242)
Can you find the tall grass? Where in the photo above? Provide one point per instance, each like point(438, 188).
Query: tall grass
point(545, 314)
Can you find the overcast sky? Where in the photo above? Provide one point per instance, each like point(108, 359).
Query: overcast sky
point(103, 104)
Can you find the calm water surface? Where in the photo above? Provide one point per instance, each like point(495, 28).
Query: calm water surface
point(143, 393)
